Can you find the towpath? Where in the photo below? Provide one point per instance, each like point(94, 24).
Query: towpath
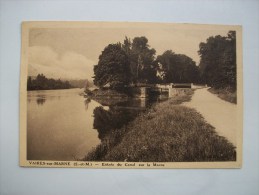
point(220, 114)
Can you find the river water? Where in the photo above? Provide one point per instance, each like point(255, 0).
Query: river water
point(62, 125)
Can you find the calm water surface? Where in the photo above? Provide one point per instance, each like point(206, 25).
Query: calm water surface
point(62, 125)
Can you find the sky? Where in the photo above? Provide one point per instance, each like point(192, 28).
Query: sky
point(70, 52)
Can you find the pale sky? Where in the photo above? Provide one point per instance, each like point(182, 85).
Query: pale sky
point(71, 53)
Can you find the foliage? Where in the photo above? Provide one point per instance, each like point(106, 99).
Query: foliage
point(177, 68)
point(122, 64)
point(142, 64)
point(112, 68)
point(43, 83)
point(218, 61)
point(135, 62)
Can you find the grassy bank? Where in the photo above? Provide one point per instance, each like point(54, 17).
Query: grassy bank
point(107, 93)
point(107, 97)
point(225, 94)
point(168, 132)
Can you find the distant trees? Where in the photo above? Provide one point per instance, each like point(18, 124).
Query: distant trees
point(113, 67)
point(218, 61)
point(177, 68)
point(43, 83)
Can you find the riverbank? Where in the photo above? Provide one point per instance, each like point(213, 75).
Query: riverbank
point(167, 132)
point(225, 94)
point(107, 97)
point(107, 93)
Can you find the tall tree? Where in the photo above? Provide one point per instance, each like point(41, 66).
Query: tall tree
point(218, 61)
point(113, 67)
point(142, 60)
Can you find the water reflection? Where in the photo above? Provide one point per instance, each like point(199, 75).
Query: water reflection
point(107, 120)
point(87, 101)
point(61, 125)
point(41, 101)
point(119, 113)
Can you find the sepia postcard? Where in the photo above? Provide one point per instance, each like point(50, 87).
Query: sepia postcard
point(131, 95)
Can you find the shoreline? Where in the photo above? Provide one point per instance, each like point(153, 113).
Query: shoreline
point(166, 132)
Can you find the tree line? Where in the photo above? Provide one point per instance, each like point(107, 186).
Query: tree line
point(43, 83)
point(135, 62)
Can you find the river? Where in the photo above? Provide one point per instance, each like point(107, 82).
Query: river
point(62, 125)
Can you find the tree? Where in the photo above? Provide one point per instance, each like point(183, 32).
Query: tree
point(142, 60)
point(177, 68)
point(127, 45)
point(113, 67)
point(218, 61)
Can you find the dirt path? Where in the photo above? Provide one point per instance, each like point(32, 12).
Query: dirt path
point(219, 113)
